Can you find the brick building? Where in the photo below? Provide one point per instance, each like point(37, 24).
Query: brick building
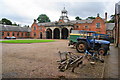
point(117, 24)
point(61, 28)
point(16, 31)
point(57, 30)
point(97, 24)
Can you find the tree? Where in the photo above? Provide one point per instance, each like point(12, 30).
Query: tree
point(112, 20)
point(78, 18)
point(89, 18)
point(14, 24)
point(43, 18)
point(6, 21)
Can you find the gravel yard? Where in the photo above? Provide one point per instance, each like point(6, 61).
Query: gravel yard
point(39, 60)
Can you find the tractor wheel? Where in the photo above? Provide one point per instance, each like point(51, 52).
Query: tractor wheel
point(102, 51)
point(81, 46)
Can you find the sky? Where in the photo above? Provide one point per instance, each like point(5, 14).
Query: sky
point(24, 12)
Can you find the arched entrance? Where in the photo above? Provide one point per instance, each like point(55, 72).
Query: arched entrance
point(49, 33)
point(64, 33)
point(40, 35)
point(71, 30)
point(56, 33)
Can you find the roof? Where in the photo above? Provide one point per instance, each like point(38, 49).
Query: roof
point(110, 26)
point(66, 23)
point(71, 22)
point(81, 21)
point(64, 10)
point(52, 24)
point(14, 28)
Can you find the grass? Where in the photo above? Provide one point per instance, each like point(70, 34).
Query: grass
point(26, 41)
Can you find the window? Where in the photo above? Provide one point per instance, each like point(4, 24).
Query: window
point(97, 25)
point(13, 34)
point(8, 34)
point(2, 33)
point(34, 34)
point(22, 34)
point(28, 34)
point(108, 32)
point(77, 26)
point(25, 34)
point(40, 28)
point(34, 28)
point(18, 34)
point(86, 27)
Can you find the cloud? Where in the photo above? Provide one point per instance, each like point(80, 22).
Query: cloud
point(25, 11)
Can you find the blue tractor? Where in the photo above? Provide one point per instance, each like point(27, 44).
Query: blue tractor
point(90, 42)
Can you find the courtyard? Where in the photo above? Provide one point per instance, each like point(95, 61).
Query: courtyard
point(39, 60)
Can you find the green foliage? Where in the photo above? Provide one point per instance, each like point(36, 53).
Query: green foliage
point(89, 18)
point(112, 20)
point(14, 24)
point(43, 18)
point(78, 18)
point(6, 21)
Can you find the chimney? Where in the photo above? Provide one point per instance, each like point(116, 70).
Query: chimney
point(106, 16)
point(34, 20)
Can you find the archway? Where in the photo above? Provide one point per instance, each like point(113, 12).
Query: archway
point(40, 35)
point(56, 33)
point(64, 33)
point(71, 30)
point(49, 33)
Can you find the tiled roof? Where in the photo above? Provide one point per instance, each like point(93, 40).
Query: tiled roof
point(81, 21)
point(14, 28)
point(110, 26)
point(52, 24)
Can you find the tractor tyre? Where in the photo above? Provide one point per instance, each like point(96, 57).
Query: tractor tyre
point(102, 51)
point(81, 46)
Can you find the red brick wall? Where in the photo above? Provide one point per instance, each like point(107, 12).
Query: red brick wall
point(37, 31)
point(92, 26)
point(15, 34)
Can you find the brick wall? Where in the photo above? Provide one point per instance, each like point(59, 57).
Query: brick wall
point(15, 34)
point(37, 31)
point(92, 26)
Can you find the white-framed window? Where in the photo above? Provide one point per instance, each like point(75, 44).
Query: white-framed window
point(97, 25)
